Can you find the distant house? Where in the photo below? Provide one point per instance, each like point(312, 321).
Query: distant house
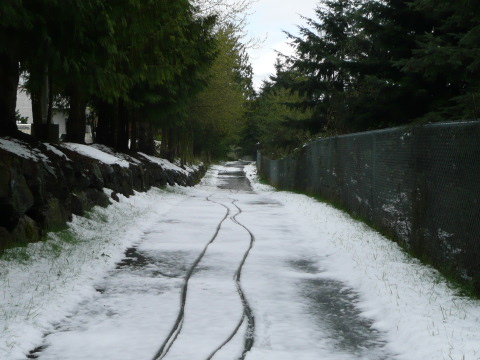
point(25, 128)
point(60, 117)
point(24, 104)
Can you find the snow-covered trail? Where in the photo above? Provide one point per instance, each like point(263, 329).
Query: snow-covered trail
point(212, 291)
point(198, 285)
point(231, 273)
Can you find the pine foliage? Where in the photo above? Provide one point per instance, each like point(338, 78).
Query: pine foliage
point(369, 64)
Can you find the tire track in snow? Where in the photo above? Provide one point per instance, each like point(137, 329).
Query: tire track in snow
point(177, 327)
point(247, 310)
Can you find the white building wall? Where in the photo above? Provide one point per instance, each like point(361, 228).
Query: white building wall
point(60, 118)
point(24, 105)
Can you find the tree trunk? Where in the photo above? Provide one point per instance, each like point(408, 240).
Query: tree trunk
point(142, 137)
point(76, 118)
point(50, 98)
point(9, 76)
point(163, 146)
point(168, 143)
point(36, 106)
point(42, 103)
point(44, 97)
point(104, 131)
point(150, 139)
point(134, 130)
point(171, 145)
point(146, 142)
point(39, 89)
point(123, 121)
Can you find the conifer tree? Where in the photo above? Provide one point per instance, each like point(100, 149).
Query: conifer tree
point(216, 115)
point(16, 26)
point(449, 55)
point(351, 62)
point(324, 53)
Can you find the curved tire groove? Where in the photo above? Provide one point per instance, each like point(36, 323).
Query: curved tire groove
point(177, 327)
point(247, 310)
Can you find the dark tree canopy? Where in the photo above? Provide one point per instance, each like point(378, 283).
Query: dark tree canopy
point(361, 65)
point(141, 60)
point(138, 66)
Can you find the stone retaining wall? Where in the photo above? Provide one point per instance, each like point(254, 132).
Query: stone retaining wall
point(39, 193)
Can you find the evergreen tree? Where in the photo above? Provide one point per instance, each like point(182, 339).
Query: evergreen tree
point(448, 55)
point(275, 124)
point(62, 40)
point(120, 57)
point(388, 32)
point(164, 51)
point(351, 63)
point(16, 26)
point(217, 114)
point(322, 63)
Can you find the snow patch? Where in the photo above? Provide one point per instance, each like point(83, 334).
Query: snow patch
point(19, 148)
point(97, 154)
point(121, 156)
point(41, 283)
point(409, 304)
point(422, 316)
point(165, 164)
point(56, 151)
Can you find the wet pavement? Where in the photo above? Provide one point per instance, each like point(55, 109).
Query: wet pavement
point(330, 302)
point(233, 178)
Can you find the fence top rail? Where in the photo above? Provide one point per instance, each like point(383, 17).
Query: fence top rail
point(406, 128)
point(465, 123)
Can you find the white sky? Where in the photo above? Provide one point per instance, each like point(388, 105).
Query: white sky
point(269, 18)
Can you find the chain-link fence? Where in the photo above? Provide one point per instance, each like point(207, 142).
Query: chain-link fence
point(420, 185)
